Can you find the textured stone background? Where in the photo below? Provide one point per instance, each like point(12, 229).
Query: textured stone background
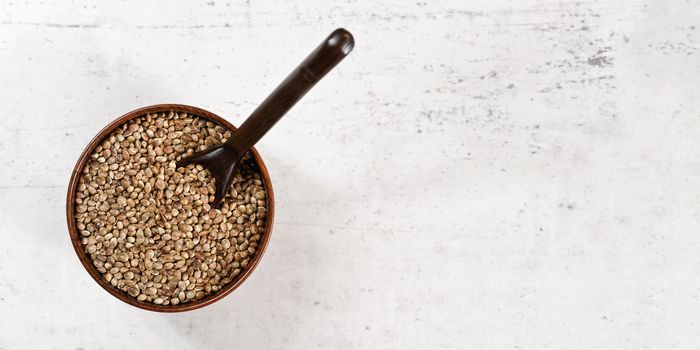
point(476, 175)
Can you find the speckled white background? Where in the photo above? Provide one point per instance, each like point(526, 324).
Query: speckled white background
point(476, 175)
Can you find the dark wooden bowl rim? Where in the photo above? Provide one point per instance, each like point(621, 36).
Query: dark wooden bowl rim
point(87, 262)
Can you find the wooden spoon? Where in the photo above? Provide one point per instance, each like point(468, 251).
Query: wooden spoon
point(222, 160)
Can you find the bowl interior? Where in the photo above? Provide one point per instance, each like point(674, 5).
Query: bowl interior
point(87, 261)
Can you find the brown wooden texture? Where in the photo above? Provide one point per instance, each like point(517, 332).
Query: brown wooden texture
point(221, 160)
point(87, 262)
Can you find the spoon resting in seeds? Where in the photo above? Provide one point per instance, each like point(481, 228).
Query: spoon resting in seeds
point(222, 160)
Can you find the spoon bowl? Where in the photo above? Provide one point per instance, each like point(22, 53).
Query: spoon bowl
point(87, 261)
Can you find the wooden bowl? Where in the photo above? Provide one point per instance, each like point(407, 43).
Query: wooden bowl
point(87, 261)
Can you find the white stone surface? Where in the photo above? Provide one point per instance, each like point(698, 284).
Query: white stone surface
point(476, 175)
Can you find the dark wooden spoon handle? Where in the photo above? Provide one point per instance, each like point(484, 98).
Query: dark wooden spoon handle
point(292, 89)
